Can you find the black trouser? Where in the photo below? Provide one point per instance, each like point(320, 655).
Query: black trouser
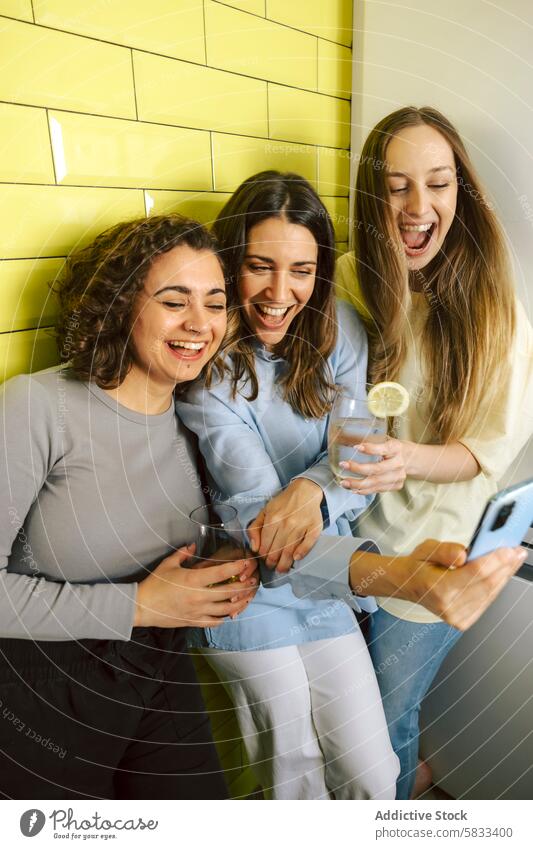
point(106, 720)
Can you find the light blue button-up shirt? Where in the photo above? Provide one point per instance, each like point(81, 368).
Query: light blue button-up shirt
point(252, 450)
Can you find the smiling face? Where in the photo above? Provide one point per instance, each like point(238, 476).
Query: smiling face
point(277, 277)
point(179, 318)
point(422, 184)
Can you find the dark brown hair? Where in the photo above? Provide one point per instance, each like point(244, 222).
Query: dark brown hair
point(98, 288)
point(471, 319)
point(306, 384)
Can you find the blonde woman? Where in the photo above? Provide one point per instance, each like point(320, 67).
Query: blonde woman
point(430, 276)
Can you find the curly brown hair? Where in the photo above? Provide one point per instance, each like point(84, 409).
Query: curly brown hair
point(98, 288)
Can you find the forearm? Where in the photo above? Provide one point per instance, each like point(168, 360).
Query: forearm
point(37, 609)
point(440, 463)
point(378, 574)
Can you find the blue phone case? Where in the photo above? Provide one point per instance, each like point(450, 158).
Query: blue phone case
point(517, 502)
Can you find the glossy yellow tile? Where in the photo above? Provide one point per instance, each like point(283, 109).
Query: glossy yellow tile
point(93, 151)
point(236, 158)
point(334, 69)
point(171, 27)
point(45, 221)
point(333, 171)
point(25, 155)
point(331, 19)
point(16, 9)
point(27, 300)
point(338, 210)
point(306, 117)
point(27, 351)
point(202, 206)
point(256, 47)
point(173, 92)
point(256, 7)
point(47, 68)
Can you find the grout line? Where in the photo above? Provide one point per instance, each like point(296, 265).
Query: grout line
point(51, 148)
point(212, 161)
point(134, 86)
point(278, 23)
point(133, 189)
point(186, 61)
point(205, 33)
point(181, 127)
point(25, 258)
point(32, 10)
point(28, 329)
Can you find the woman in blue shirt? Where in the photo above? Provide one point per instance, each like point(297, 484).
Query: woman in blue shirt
point(296, 668)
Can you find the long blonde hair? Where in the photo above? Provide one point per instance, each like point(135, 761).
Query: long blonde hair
point(471, 317)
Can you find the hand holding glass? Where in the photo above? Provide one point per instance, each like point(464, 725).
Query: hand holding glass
point(350, 425)
point(218, 536)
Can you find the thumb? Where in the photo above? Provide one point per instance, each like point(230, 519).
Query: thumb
point(181, 554)
point(254, 531)
point(448, 554)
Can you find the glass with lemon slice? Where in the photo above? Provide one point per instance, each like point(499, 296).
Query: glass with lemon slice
point(354, 421)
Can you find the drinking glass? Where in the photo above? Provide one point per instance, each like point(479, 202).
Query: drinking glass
point(350, 424)
point(218, 535)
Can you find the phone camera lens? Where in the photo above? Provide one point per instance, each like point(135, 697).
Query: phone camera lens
point(503, 515)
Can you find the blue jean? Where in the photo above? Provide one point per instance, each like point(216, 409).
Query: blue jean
point(406, 656)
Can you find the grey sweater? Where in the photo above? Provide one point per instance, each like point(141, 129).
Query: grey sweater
point(94, 496)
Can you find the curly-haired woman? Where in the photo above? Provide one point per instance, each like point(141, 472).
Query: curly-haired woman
point(99, 697)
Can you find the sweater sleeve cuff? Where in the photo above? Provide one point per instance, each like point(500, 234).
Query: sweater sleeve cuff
point(324, 572)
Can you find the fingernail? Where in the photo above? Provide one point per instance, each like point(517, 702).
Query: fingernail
point(345, 485)
point(297, 557)
point(343, 464)
point(522, 555)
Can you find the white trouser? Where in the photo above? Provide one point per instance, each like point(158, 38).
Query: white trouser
point(311, 719)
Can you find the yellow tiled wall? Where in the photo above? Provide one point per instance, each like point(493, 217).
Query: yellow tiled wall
point(110, 110)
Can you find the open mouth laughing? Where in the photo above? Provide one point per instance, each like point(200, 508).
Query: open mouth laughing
point(273, 317)
point(417, 237)
point(185, 350)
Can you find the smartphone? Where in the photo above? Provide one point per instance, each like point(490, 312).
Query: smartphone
point(505, 520)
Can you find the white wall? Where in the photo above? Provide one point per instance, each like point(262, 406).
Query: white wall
point(473, 60)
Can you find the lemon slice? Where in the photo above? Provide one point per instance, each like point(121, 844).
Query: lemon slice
point(388, 399)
